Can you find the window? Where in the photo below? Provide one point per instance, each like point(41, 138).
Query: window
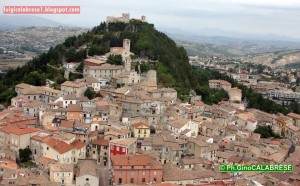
point(154, 172)
point(131, 180)
point(143, 180)
point(118, 148)
point(144, 173)
point(112, 147)
point(132, 173)
point(154, 180)
point(123, 149)
point(132, 167)
point(47, 148)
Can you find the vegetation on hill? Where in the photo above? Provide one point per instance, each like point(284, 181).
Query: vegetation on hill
point(254, 99)
point(266, 132)
point(115, 60)
point(173, 69)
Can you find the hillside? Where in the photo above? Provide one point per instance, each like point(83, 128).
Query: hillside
point(173, 69)
point(208, 46)
point(210, 50)
point(275, 59)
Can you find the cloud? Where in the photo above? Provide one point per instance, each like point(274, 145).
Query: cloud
point(256, 16)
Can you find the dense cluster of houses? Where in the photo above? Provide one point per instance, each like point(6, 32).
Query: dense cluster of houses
point(141, 133)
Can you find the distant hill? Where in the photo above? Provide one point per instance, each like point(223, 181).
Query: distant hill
point(289, 58)
point(217, 43)
point(18, 21)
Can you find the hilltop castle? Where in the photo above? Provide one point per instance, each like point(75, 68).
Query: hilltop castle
point(125, 18)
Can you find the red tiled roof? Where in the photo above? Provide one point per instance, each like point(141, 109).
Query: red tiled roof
point(60, 146)
point(74, 108)
point(4, 112)
point(67, 124)
point(18, 131)
point(93, 133)
point(101, 142)
point(38, 138)
point(130, 159)
point(7, 160)
point(198, 103)
point(45, 160)
point(293, 115)
point(139, 124)
point(77, 144)
point(15, 120)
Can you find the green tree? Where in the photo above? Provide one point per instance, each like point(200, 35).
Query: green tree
point(24, 154)
point(90, 93)
point(294, 107)
point(144, 67)
point(6, 95)
point(60, 79)
point(70, 41)
point(115, 60)
point(231, 70)
point(94, 50)
point(266, 132)
point(35, 78)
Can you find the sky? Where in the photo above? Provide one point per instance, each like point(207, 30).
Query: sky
point(267, 17)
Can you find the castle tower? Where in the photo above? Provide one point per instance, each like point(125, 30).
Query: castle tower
point(127, 64)
point(126, 17)
point(126, 45)
point(151, 76)
point(143, 18)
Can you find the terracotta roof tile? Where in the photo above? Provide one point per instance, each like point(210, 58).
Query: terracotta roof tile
point(77, 144)
point(123, 141)
point(60, 146)
point(93, 133)
point(18, 131)
point(74, 108)
point(67, 124)
point(87, 167)
point(101, 142)
point(45, 160)
point(74, 84)
point(140, 124)
point(135, 160)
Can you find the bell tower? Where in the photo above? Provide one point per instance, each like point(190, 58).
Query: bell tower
point(127, 64)
point(126, 45)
